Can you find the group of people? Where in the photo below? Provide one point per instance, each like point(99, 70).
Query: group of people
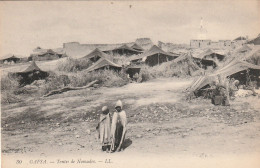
point(112, 135)
point(223, 91)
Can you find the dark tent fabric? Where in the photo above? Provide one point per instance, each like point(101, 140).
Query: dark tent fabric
point(207, 63)
point(239, 38)
point(255, 41)
point(247, 76)
point(124, 50)
point(206, 59)
point(137, 47)
point(234, 67)
point(32, 67)
point(125, 47)
point(232, 70)
point(104, 63)
point(214, 56)
point(204, 63)
point(211, 55)
point(154, 56)
point(95, 55)
point(11, 59)
point(132, 70)
point(46, 54)
point(32, 73)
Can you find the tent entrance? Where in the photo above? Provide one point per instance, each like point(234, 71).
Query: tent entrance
point(248, 77)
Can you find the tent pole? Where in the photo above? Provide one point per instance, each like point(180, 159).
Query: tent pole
point(158, 58)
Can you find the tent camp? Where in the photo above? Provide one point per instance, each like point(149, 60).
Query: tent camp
point(32, 73)
point(10, 59)
point(154, 56)
point(95, 55)
point(104, 63)
point(46, 54)
point(123, 50)
point(240, 70)
point(137, 47)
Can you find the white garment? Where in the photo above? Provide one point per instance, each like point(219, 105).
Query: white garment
point(104, 128)
point(118, 117)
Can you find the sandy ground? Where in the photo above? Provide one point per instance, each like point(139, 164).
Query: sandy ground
point(163, 128)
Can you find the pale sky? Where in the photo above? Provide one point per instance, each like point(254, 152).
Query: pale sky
point(26, 25)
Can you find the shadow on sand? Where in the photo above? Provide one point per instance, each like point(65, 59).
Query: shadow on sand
point(126, 143)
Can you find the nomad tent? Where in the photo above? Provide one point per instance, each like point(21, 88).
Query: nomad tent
point(239, 38)
point(10, 59)
point(45, 54)
point(104, 63)
point(137, 47)
point(239, 70)
point(123, 50)
point(32, 73)
point(211, 55)
point(188, 59)
point(132, 70)
point(206, 59)
point(204, 63)
point(95, 55)
point(154, 56)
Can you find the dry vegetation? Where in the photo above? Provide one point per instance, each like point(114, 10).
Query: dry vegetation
point(71, 72)
point(121, 59)
point(73, 65)
point(106, 78)
point(12, 92)
point(9, 86)
point(166, 70)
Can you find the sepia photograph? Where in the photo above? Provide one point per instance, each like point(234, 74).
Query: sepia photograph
point(130, 84)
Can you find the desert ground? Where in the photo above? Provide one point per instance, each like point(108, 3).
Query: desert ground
point(163, 127)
